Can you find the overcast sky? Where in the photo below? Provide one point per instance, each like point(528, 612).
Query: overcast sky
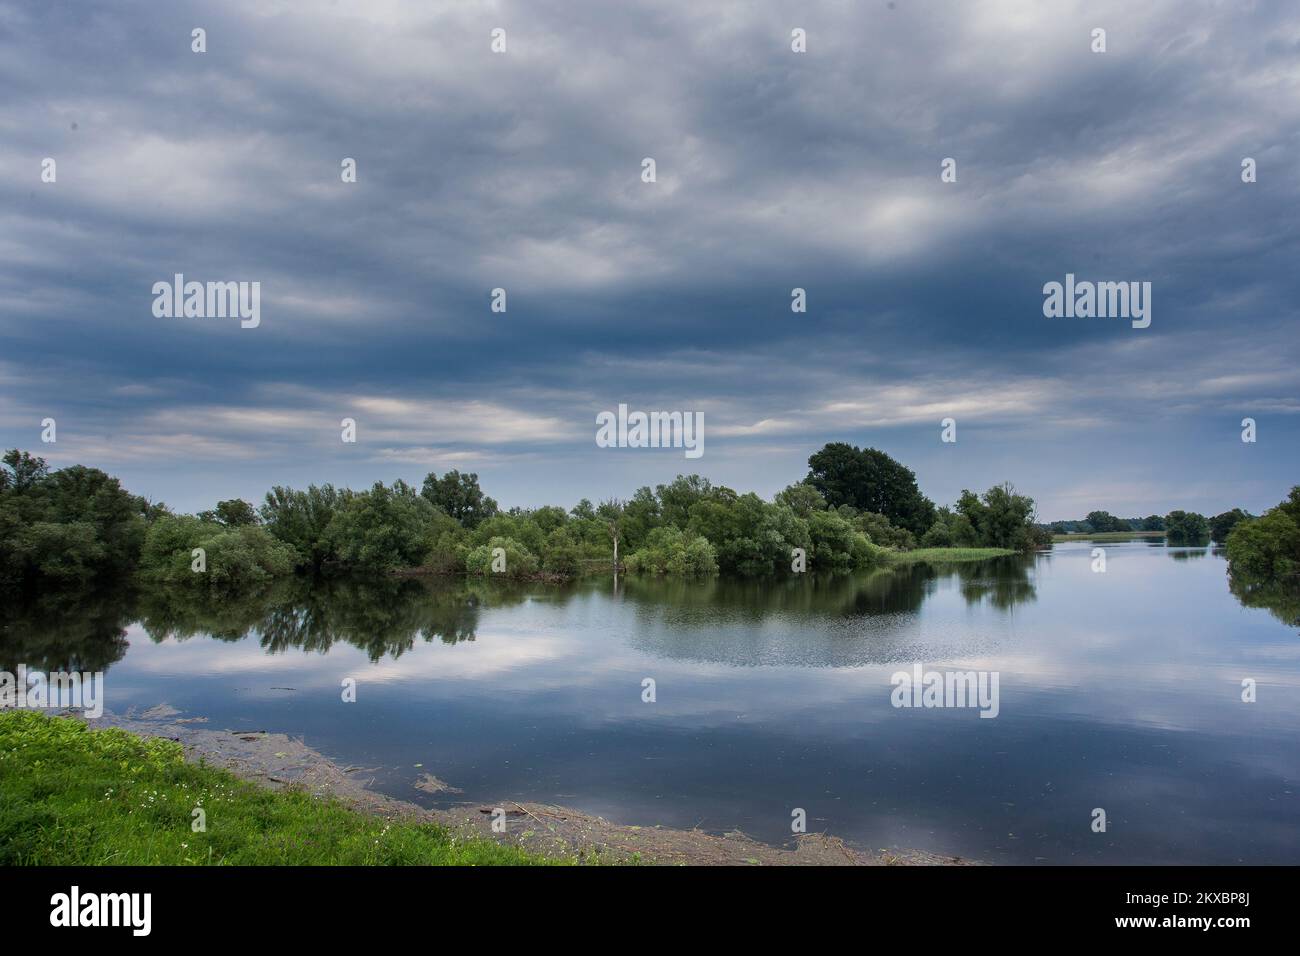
point(775, 170)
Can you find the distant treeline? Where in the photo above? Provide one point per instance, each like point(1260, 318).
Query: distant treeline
point(852, 509)
point(1263, 552)
point(1180, 526)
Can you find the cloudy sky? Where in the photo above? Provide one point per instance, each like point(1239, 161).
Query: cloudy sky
point(775, 170)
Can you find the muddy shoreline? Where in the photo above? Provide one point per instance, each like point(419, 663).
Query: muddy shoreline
point(279, 761)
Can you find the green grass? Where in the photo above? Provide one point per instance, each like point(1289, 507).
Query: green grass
point(1107, 535)
point(70, 796)
point(948, 554)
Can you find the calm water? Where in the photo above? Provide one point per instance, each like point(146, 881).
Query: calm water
point(1118, 690)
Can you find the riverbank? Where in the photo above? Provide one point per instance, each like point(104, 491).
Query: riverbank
point(72, 796)
point(948, 554)
point(1106, 535)
point(66, 799)
point(890, 557)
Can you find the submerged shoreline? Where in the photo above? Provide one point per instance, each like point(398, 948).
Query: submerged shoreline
point(278, 761)
point(890, 558)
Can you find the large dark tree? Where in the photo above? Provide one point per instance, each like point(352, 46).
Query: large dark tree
point(459, 496)
point(1221, 525)
point(69, 524)
point(869, 480)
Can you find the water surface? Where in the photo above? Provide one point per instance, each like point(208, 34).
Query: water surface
point(1119, 690)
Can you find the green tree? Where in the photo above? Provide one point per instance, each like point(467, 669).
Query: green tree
point(1001, 518)
point(869, 480)
point(66, 525)
point(1265, 551)
point(940, 533)
point(549, 518)
point(459, 496)
point(80, 494)
point(1221, 525)
point(64, 552)
point(561, 555)
point(833, 541)
point(22, 471)
point(233, 513)
point(300, 519)
point(1104, 521)
point(878, 528)
point(669, 550)
point(677, 498)
point(636, 517)
point(613, 517)
point(382, 529)
point(234, 560)
point(1186, 527)
point(801, 498)
point(950, 530)
point(744, 531)
point(513, 560)
point(518, 525)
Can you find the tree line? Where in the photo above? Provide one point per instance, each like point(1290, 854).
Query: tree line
point(1181, 527)
point(854, 507)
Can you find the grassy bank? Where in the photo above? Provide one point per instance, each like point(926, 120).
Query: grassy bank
point(947, 554)
point(1107, 535)
point(70, 796)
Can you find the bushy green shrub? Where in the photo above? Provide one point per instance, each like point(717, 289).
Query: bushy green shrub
point(668, 550)
point(939, 535)
point(233, 559)
point(866, 554)
point(1000, 518)
point(801, 498)
point(833, 541)
point(67, 525)
point(60, 552)
point(1266, 550)
point(1186, 527)
point(301, 518)
point(561, 555)
point(882, 532)
point(517, 526)
point(518, 561)
point(745, 532)
point(383, 529)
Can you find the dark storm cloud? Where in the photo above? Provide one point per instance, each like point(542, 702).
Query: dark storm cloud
point(775, 170)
